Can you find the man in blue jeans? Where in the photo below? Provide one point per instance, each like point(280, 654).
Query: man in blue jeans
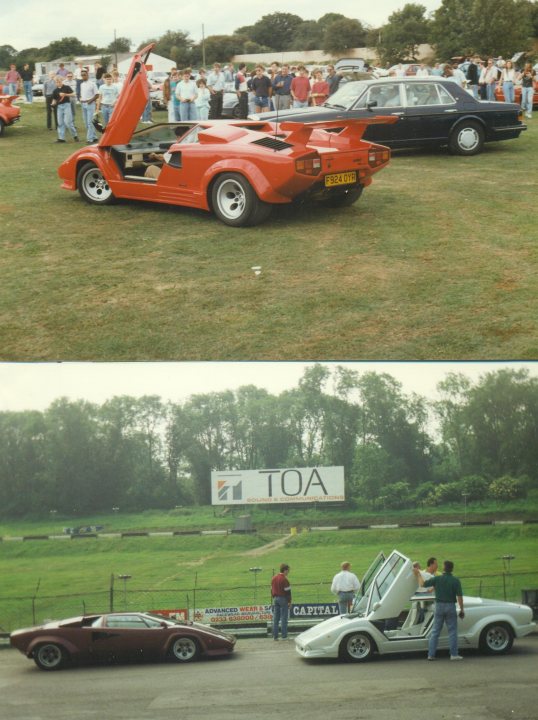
point(447, 592)
point(281, 594)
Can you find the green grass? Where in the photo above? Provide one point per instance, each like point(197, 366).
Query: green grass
point(71, 576)
point(436, 261)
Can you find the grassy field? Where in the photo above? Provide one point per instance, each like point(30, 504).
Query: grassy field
point(438, 260)
point(214, 571)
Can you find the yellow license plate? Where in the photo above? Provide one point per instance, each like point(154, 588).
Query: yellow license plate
point(343, 178)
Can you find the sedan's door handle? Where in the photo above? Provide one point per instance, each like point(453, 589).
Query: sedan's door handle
point(452, 110)
point(398, 113)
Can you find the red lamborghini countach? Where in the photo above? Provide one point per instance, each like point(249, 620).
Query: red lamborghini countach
point(238, 169)
point(9, 113)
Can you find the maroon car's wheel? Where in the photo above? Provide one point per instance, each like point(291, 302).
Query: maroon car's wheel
point(93, 186)
point(50, 656)
point(357, 647)
point(185, 649)
point(235, 202)
point(1, 127)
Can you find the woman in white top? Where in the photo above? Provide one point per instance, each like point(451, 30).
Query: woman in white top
point(507, 79)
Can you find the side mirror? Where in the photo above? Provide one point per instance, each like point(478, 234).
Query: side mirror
point(371, 105)
point(376, 606)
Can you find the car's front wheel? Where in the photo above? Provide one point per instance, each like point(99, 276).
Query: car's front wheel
point(93, 186)
point(1, 127)
point(357, 647)
point(467, 138)
point(235, 202)
point(185, 649)
point(496, 639)
point(50, 656)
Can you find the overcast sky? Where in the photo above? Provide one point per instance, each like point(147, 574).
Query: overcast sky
point(34, 23)
point(36, 385)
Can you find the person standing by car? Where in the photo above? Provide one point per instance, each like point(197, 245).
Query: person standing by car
point(447, 592)
point(215, 85)
point(333, 78)
point(186, 93)
point(108, 95)
point(345, 584)
point(320, 89)
point(507, 81)
point(473, 75)
point(261, 86)
point(27, 75)
point(241, 90)
point(491, 75)
point(528, 75)
point(300, 88)
point(49, 86)
point(88, 95)
point(13, 79)
point(281, 598)
point(281, 88)
point(61, 98)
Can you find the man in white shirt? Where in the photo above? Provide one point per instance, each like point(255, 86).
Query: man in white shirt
point(431, 570)
point(345, 584)
point(88, 95)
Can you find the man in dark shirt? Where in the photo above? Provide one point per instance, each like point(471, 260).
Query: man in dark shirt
point(333, 78)
point(281, 594)
point(27, 76)
point(447, 592)
point(61, 99)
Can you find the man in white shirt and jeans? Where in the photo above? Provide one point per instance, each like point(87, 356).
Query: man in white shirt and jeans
point(345, 584)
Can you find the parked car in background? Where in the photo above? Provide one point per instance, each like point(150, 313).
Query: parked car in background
point(409, 68)
point(9, 113)
point(389, 617)
point(37, 87)
point(237, 169)
point(119, 637)
point(431, 112)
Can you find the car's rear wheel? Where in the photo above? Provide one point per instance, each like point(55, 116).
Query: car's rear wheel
point(343, 198)
point(1, 127)
point(496, 639)
point(357, 647)
point(50, 656)
point(93, 186)
point(467, 138)
point(235, 202)
point(185, 649)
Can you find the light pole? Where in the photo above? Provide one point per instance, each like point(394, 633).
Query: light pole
point(255, 570)
point(465, 495)
point(124, 578)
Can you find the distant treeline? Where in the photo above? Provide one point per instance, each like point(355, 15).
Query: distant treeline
point(477, 441)
point(456, 27)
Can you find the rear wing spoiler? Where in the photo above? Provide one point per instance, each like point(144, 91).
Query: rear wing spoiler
point(300, 132)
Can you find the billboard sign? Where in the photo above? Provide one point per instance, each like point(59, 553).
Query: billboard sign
point(271, 487)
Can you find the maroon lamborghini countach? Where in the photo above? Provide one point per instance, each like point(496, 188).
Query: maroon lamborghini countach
point(119, 637)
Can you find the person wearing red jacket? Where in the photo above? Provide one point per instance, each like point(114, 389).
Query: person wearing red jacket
point(281, 595)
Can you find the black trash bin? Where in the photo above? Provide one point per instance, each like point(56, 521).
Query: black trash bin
point(530, 598)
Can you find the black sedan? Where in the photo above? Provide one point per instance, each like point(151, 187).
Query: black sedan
point(433, 111)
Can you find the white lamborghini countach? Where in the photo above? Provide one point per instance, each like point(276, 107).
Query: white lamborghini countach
point(388, 616)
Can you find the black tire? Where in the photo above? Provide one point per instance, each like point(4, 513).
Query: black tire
point(92, 185)
point(235, 202)
point(343, 198)
point(236, 112)
point(467, 138)
point(496, 639)
point(1, 127)
point(357, 647)
point(50, 656)
point(185, 649)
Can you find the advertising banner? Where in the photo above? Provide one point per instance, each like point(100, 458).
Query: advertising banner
point(271, 487)
point(239, 613)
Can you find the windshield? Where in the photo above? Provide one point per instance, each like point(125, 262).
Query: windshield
point(347, 94)
point(361, 598)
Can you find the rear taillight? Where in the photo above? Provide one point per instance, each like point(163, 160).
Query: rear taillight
point(308, 166)
point(378, 157)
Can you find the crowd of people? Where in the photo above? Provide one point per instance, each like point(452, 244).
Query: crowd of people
point(190, 95)
point(345, 585)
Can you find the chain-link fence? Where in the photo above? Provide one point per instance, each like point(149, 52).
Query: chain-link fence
point(17, 612)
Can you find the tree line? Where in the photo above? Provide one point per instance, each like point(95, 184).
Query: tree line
point(397, 449)
point(457, 27)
